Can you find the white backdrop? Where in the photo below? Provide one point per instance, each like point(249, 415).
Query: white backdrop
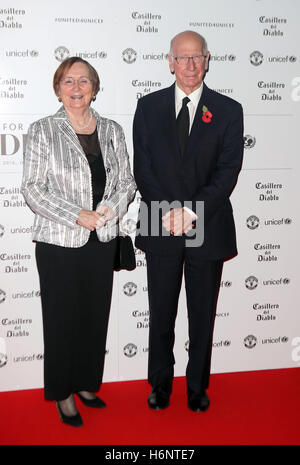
point(254, 47)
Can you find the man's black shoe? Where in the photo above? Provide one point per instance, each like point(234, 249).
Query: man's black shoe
point(198, 403)
point(158, 399)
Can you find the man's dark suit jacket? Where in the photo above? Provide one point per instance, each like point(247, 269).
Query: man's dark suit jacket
point(206, 172)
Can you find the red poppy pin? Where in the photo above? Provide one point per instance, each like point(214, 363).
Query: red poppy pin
point(206, 115)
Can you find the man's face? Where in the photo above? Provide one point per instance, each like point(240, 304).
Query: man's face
point(189, 76)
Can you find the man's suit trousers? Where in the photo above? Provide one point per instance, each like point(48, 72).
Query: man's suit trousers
point(202, 283)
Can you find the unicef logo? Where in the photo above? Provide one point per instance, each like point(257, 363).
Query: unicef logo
point(61, 53)
point(130, 350)
point(251, 283)
point(252, 222)
point(129, 55)
point(2, 296)
point(249, 141)
point(130, 289)
point(256, 58)
point(250, 341)
point(1, 230)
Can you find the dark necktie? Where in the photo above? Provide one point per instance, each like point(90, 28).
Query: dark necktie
point(183, 125)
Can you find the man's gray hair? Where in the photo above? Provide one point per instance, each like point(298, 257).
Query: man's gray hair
point(205, 49)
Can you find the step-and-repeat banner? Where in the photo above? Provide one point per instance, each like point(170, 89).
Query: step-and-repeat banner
point(255, 58)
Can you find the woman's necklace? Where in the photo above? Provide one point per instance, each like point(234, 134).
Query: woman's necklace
point(85, 127)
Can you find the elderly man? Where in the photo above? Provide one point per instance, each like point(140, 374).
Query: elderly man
point(188, 146)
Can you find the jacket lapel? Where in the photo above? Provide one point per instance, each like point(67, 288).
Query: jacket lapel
point(105, 136)
point(67, 132)
point(168, 112)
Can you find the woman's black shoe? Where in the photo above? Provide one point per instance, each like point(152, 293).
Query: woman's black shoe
point(96, 402)
point(73, 420)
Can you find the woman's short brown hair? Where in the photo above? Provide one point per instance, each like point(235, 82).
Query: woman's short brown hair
point(66, 64)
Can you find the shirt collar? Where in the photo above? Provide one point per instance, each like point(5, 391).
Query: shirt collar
point(194, 96)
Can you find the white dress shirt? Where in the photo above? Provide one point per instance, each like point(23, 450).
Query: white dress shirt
point(192, 107)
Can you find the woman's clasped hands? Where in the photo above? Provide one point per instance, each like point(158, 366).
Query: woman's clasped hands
point(92, 220)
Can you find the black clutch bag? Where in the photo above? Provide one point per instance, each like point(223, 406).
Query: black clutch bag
point(125, 256)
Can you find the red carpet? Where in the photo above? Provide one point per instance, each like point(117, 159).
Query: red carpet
point(250, 408)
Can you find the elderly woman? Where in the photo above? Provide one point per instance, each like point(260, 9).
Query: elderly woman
point(77, 181)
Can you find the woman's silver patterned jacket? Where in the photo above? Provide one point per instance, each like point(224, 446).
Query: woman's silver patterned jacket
point(57, 179)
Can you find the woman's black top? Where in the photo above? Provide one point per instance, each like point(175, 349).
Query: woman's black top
point(91, 147)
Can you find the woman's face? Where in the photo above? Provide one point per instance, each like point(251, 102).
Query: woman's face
point(76, 88)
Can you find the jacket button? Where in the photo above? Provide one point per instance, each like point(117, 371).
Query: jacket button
point(105, 197)
point(108, 170)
